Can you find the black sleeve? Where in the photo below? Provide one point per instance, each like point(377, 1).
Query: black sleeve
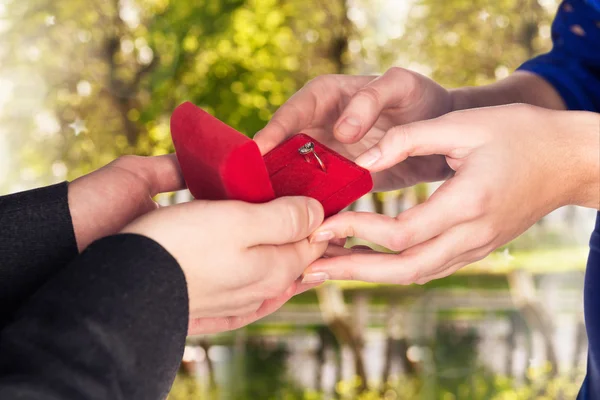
point(110, 325)
point(36, 240)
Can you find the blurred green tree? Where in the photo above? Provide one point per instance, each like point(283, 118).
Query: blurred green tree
point(120, 67)
point(474, 42)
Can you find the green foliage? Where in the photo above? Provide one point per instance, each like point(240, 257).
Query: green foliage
point(185, 387)
point(475, 42)
point(481, 386)
point(123, 66)
point(265, 373)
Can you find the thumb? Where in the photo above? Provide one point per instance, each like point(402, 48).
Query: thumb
point(284, 220)
point(436, 136)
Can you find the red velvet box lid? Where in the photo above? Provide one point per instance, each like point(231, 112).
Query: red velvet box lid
point(220, 163)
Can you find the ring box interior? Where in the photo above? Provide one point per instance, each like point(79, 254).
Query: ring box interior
point(219, 163)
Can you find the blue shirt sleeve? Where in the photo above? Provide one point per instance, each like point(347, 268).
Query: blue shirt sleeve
point(573, 64)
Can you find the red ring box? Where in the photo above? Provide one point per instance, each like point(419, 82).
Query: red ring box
point(220, 163)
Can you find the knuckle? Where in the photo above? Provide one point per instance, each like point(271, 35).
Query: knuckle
point(487, 235)
point(250, 308)
point(295, 217)
point(349, 229)
point(276, 285)
point(408, 278)
point(410, 81)
point(347, 274)
point(397, 72)
point(229, 323)
point(301, 113)
point(370, 94)
point(399, 137)
point(479, 254)
point(413, 277)
point(477, 203)
point(487, 250)
point(398, 241)
point(319, 80)
point(402, 235)
point(424, 280)
point(524, 108)
point(126, 161)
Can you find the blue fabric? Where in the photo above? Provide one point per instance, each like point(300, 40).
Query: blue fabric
point(573, 64)
point(573, 68)
point(591, 297)
point(594, 3)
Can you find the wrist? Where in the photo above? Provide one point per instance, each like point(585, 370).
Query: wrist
point(581, 165)
point(520, 87)
point(460, 98)
point(495, 94)
point(81, 223)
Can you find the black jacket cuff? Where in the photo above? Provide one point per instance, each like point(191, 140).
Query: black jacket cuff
point(36, 240)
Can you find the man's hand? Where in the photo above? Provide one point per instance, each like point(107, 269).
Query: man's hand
point(514, 164)
point(241, 261)
point(104, 201)
point(350, 114)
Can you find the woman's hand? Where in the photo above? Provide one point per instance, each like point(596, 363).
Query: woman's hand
point(241, 261)
point(350, 114)
point(104, 201)
point(514, 164)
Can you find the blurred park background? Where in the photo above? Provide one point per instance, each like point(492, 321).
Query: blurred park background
point(84, 81)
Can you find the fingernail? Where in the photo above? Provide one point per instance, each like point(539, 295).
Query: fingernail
point(323, 236)
point(369, 158)
point(349, 127)
point(314, 213)
point(315, 277)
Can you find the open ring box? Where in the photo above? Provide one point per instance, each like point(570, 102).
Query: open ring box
point(220, 163)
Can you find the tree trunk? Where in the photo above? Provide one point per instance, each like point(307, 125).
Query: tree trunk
point(336, 316)
point(535, 314)
point(511, 344)
point(320, 357)
point(580, 343)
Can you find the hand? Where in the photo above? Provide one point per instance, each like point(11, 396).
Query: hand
point(350, 114)
point(241, 261)
point(514, 164)
point(104, 201)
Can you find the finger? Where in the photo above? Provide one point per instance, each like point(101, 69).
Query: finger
point(404, 268)
point(338, 241)
point(311, 106)
point(241, 307)
point(305, 287)
point(338, 251)
point(213, 325)
point(291, 118)
point(443, 136)
point(163, 174)
point(456, 263)
point(282, 265)
point(412, 171)
point(281, 221)
point(366, 105)
point(334, 250)
point(443, 210)
point(443, 273)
